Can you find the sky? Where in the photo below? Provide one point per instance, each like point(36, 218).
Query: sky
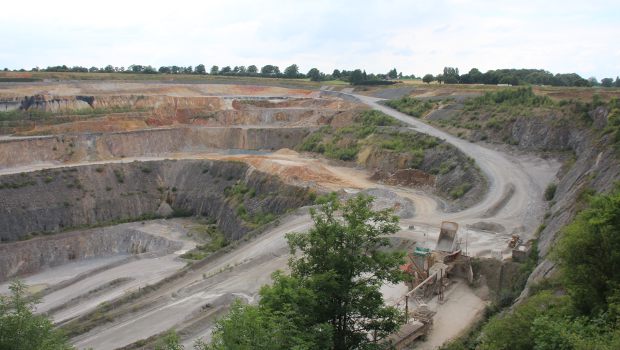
point(415, 36)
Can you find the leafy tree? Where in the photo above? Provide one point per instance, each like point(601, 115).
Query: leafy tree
point(451, 75)
point(93, 69)
point(336, 74)
point(165, 70)
point(589, 254)
point(332, 298)
point(607, 82)
point(393, 74)
point(439, 78)
point(215, 70)
point(341, 263)
point(428, 78)
point(593, 81)
point(514, 331)
point(314, 74)
point(136, 68)
point(248, 327)
point(291, 71)
point(617, 82)
point(108, 69)
point(200, 69)
point(21, 329)
point(149, 70)
point(225, 70)
point(269, 70)
point(357, 77)
point(252, 69)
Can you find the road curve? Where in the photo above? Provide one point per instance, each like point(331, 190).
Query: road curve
point(516, 183)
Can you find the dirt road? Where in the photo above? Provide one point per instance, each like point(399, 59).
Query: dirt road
point(516, 183)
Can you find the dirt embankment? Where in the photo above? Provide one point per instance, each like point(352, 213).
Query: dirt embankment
point(53, 200)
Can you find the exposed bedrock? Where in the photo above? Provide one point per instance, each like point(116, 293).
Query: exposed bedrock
point(595, 168)
point(101, 146)
point(60, 199)
point(31, 256)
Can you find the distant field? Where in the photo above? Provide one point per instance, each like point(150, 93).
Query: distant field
point(181, 78)
point(413, 87)
point(418, 89)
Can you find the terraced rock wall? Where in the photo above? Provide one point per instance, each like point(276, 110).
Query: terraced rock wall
point(51, 201)
point(157, 142)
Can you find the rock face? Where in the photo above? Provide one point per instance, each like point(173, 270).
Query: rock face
point(596, 167)
point(101, 146)
point(17, 258)
point(61, 199)
point(115, 112)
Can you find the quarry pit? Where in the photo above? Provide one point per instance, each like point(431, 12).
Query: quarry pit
point(104, 186)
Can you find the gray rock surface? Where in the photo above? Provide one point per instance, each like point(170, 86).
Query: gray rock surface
point(54, 200)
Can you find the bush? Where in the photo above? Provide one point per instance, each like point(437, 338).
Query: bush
point(460, 190)
point(550, 191)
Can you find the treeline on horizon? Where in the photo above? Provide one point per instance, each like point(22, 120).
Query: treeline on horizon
point(450, 75)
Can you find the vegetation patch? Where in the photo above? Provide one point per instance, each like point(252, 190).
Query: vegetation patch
point(370, 128)
point(207, 232)
point(412, 106)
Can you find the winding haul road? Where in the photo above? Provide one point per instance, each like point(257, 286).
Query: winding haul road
point(514, 200)
point(516, 183)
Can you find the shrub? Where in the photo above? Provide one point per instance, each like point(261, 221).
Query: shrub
point(550, 191)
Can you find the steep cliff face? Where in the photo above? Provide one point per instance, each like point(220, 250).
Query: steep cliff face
point(17, 258)
point(55, 200)
point(101, 146)
point(595, 168)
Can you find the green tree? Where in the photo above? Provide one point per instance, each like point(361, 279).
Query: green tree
point(252, 69)
point(357, 77)
point(291, 71)
point(332, 298)
point(215, 70)
point(269, 70)
point(607, 82)
point(248, 327)
point(428, 78)
point(21, 329)
point(617, 82)
point(393, 74)
point(314, 74)
point(589, 254)
point(341, 262)
point(200, 69)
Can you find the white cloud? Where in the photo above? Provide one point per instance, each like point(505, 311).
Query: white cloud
point(414, 36)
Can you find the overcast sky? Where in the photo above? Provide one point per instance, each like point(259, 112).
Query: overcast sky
point(415, 36)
